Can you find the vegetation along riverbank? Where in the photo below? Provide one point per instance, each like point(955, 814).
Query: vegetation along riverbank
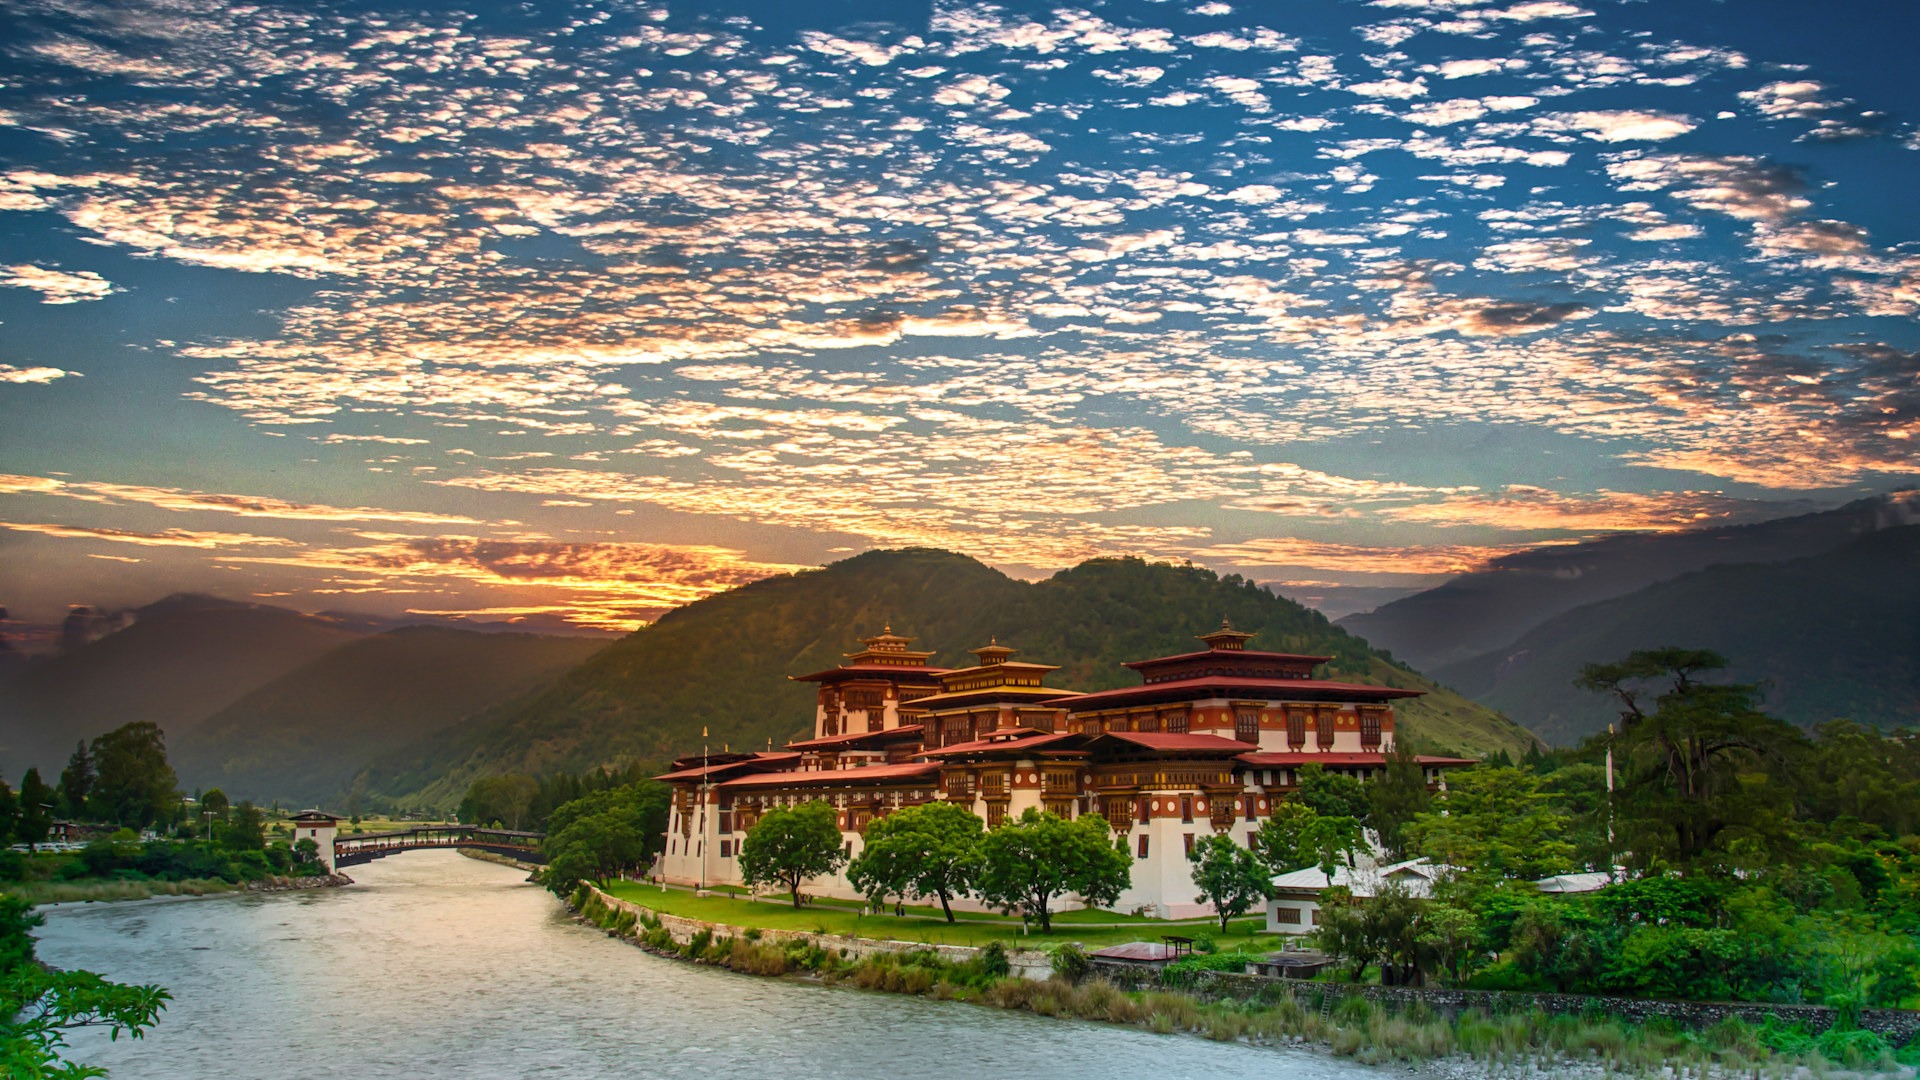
point(1326, 1016)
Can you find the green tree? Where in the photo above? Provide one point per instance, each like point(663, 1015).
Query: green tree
point(214, 806)
point(1029, 861)
point(505, 801)
point(134, 786)
point(1229, 877)
point(244, 830)
point(927, 850)
point(39, 1005)
point(1296, 837)
point(1695, 759)
point(789, 845)
point(76, 783)
point(1399, 796)
point(9, 814)
point(36, 810)
point(1331, 794)
point(1495, 822)
point(604, 833)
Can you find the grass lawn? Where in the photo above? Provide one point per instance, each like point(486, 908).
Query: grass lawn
point(975, 928)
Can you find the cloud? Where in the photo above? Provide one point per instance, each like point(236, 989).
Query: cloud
point(1342, 559)
point(168, 538)
point(57, 286)
point(604, 585)
point(1526, 508)
point(1625, 125)
point(1748, 188)
point(252, 506)
point(33, 375)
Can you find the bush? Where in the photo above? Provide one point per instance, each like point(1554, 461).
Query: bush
point(1853, 1047)
point(1070, 962)
point(993, 960)
point(1186, 970)
point(1789, 1039)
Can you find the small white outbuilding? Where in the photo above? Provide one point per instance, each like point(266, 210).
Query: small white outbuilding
point(1295, 907)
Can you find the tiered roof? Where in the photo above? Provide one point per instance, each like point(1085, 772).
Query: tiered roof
point(886, 656)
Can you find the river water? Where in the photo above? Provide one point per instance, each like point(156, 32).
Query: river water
point(438, 966)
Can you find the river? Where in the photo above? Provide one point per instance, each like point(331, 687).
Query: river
point(439, 966)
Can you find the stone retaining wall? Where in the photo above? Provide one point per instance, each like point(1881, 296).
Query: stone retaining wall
point(1027, 963)
point(1897, 1026)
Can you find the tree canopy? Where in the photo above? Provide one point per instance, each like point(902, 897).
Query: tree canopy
point(1229, 877)
point(605, 833)
point(927, 850)
point(1031, 860)
point(788, 845)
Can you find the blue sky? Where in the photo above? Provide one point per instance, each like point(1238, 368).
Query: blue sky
point(576, 312)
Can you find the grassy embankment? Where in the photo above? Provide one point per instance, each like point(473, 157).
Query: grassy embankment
point(926, 924)
point(69, 892)
point(1316, 1014)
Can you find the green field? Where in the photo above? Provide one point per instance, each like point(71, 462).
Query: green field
point(925, 924)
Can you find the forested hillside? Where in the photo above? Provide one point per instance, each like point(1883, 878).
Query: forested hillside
point(1490, 608)
point(1835, 636)
point(723, 663)
point(182, 659)
point(300, 738)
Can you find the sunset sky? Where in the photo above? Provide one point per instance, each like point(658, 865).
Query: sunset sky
point(575, 312)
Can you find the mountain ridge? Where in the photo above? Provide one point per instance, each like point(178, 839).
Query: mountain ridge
point(1490, 608)
point(724, 663)
point(1796, 627)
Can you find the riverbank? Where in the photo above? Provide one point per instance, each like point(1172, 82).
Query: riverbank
point(926, 925)
point(37, 893)
point(1318, 1016)
point(503, 860)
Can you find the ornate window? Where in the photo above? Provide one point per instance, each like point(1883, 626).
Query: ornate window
point(1296, 729)
point(1370, 728)
point(1246, 725)
point(1323, 727)
point(1177, 722)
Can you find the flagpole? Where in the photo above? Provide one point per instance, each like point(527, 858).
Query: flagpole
point(706, 782)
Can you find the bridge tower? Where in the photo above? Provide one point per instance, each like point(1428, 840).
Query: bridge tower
point(319, 827)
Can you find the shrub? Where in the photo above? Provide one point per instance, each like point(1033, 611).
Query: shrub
point(993, 960)
point(1852, 1047)
point(1070, 962)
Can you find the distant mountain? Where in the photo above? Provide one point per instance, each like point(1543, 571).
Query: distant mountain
point(1485, 610)
point(1337, 602)
point(301, 737)
point(723, 663)
point(1833, 635)
point(179, 661)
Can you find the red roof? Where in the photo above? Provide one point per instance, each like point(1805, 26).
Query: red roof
point(1248, 653)
point(831, 777)
point(1174, 689)
point(759, 760)
point(904, 731)
point(1294, 759)
point(850, 670)
point(1032, 740)
point(1172, 741)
